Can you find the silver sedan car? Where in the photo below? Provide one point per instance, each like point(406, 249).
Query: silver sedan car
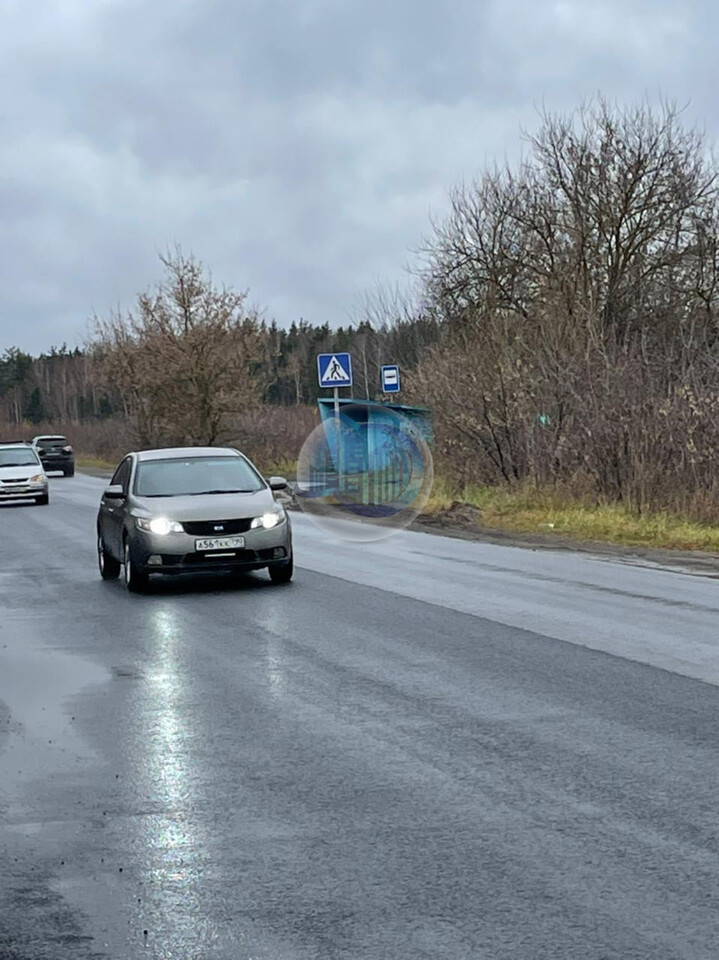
point(191, 509)
point(21, 474)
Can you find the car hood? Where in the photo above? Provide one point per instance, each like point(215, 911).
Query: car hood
point(20, 473)
point(216, 506)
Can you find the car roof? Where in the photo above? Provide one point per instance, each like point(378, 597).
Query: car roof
point(14, 443)
point(180, 453)
point(50, 436)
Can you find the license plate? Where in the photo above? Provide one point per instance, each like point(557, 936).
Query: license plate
point(220, 543)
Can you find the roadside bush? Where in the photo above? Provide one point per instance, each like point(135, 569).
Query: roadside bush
point(270, 436)
point(578, 299)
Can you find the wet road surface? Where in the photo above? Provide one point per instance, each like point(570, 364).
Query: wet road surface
point(375, 761)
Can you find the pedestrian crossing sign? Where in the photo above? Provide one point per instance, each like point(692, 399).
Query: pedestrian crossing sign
point(334, 370)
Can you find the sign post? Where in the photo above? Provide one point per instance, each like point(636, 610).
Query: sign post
point(334, 370)
point(338, 431)
point(390, 378)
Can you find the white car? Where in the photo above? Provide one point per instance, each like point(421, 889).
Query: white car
point(22, 476)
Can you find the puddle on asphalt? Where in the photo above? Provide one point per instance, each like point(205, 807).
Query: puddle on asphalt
point(36, 683)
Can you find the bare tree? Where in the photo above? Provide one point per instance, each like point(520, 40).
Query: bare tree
point(184, 360)
point(578, 301)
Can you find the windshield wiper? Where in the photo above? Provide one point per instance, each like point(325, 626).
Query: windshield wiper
point(204, 493)
point(198, 493)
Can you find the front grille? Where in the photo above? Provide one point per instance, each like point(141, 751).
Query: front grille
point(18, 480)
point(208, 528)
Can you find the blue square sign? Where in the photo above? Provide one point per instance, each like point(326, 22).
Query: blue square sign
point(390, 378)
point(334, 370)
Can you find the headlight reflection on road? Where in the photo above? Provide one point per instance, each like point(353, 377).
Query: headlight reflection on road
point(172, 837)
point(168, 765)
point(164, 625)
point(168, 762)
point(276, 624)
point(172, 833)
point(167, 755)
point(275, 669)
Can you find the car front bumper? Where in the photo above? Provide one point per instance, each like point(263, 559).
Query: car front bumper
point(176, 553)
point(22, 491)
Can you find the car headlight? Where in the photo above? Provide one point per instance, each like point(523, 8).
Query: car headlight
point(268, 520)
point(38, 478)
point(158, 525)
point(67, 449)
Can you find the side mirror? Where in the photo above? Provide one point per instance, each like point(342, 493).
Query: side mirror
point(277, 483)
point(114, 492)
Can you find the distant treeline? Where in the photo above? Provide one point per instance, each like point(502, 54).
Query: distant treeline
point(70, 386)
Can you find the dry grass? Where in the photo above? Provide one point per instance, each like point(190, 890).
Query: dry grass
point(531, 510)
point(281, 467)
point(94, 463)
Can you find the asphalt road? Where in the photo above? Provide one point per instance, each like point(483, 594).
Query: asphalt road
point(421, 748)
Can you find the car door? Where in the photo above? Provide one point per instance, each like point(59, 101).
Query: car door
point(112, 512)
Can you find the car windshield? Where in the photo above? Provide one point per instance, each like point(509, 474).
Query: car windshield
point(51, 441)
point(18, 457)
point(195, 477)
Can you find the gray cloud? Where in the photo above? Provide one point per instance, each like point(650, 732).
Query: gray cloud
point(297, 147)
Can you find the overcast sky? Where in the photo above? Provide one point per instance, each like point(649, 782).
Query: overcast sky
point(297, 147)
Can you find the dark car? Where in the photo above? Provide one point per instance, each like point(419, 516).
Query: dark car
point(55, 453)
point(188, 510)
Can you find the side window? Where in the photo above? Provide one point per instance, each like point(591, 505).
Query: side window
point(116, 474)
point(122, 474)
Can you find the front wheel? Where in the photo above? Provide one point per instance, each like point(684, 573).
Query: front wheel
point(109, 566)
point(69, 471)
point(43, 501)
point(282, 572)
point(136, 579)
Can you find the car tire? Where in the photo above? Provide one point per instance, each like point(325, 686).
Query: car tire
point(281, 572)
point(69, 472)
point(109, 566)
point(43, 501)
point(136, 578)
